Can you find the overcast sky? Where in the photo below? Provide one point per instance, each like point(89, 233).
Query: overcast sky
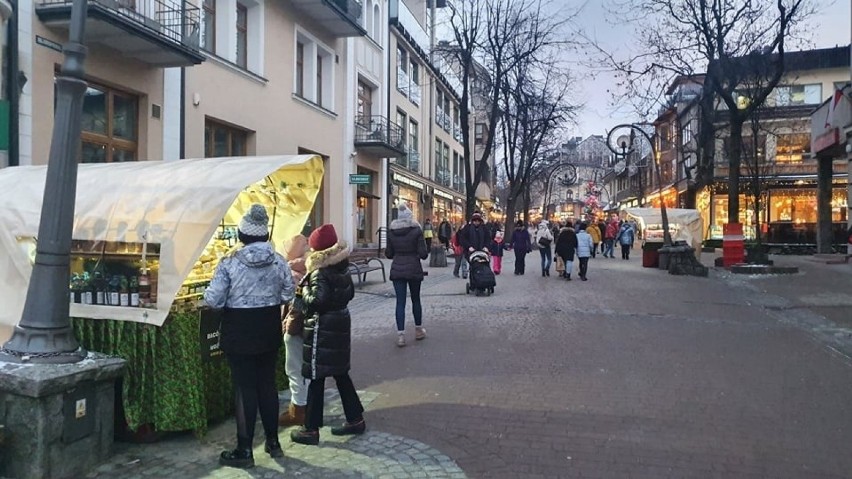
point(831, 27)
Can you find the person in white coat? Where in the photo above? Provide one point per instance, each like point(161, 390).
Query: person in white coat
point(585, 245)
point(543, 240)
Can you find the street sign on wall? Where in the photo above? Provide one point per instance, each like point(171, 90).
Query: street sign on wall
point(360, 179)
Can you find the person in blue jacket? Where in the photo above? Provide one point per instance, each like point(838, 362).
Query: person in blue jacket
point(625, 238)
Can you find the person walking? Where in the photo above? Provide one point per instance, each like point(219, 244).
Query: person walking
point(602, 230)
point(609, 237)
point(323, 299)
point(250, 286)
point(405, 248)
point(584, 251)
point(566, 244)
point(625, 238)
point(475, 236)
point(445, 232)
point(521, 244)
point(428, 233)
point(496, 249)
point(596, 234)
point(296, 252)
point(458, 253)
point(543, 240)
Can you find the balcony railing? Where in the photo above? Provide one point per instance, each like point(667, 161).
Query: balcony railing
point(169, 29)
point(342, 18)
point(379, 136)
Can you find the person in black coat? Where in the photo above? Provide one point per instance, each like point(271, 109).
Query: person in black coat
point(406, 248)
point(445, 232)
point(566, 244)
point(475, 236)
point(324, 297)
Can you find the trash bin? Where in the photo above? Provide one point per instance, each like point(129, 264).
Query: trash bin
point(650, 254)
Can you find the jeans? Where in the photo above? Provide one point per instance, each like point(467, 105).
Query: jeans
point(608, 243)
point(546, 258)
point(584, 266)
point(253, 376)
point(625, 251)
point(461, 263)
point(293, 366)
point(352, 407)
point(399, 286)
point(569, 265)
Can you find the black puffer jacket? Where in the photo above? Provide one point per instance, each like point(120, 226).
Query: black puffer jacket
point(406, 247)
point(325, 295)
point(566, 243)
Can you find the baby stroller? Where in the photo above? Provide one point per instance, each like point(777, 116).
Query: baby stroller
point(482, 280)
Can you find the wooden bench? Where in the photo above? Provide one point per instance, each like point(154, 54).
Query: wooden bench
point(361, 263)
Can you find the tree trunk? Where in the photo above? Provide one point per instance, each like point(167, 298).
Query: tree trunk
point(735, 148)
point(511, 203)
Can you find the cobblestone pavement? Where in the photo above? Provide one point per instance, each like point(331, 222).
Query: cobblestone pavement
point(634, 373)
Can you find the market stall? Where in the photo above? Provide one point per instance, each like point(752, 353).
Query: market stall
point(684, 224)
point(147, 238)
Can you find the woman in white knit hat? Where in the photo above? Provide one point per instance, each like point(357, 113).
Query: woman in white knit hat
point(251, 285)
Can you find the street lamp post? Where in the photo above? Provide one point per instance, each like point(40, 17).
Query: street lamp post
point(44, 334)
point(628, 149)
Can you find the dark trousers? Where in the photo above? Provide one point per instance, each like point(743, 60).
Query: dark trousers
point(253, 376)
point(625, 251)
point(352, 407)
point(594, 250)
point(520, 262)
point(584, 266)
point(399, 286)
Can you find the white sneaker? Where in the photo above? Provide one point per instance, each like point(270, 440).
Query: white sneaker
point(400, 340)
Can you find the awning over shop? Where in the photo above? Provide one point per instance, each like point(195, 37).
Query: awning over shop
point(368, 195)
point(177, 204)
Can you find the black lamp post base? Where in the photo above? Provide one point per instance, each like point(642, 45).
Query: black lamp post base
point(42, 346)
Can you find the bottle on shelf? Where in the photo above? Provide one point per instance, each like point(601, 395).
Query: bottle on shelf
point(124, 292)
point(144, 289)
point(113, 291)
point(134, 292)
point(87, 288)
point(73, 288)
point(100, 288)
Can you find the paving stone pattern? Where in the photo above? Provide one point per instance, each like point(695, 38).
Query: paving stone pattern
point(634, 373)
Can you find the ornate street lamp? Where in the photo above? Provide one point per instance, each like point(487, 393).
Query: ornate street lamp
point(44, 334)
point(626, 143)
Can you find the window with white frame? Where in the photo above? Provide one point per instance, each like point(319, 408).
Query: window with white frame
point(377, 24)
point(313, 75)
point(402, 70)
point(233, 30)
point(414, 83)
point(439, 107)
point(798, 95)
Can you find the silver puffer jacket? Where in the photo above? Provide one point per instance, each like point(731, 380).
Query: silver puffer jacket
point(253, 277)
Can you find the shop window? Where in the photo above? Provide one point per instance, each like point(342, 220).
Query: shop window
point(792, 148)
point(796, 206)
point(792, 95)
point(208, 26)
point(314, 71)
point(109, 126)
point(221, 140)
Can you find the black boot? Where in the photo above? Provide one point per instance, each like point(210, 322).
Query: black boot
point(273, 447)
point(241, 458)
point(305, 436)
point(350, 428)
point(568, 276)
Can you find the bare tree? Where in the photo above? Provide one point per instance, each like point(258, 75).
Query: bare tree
point(680, 37)
point(486, 49)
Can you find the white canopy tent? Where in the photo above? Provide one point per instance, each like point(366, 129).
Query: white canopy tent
point(684, 225)
point(177, 204)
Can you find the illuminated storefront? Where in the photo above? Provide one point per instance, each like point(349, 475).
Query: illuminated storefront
point(788, 212)
point(442, 206)
point(410, 191)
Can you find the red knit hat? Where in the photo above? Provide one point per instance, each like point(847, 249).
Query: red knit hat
point(323, 237)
